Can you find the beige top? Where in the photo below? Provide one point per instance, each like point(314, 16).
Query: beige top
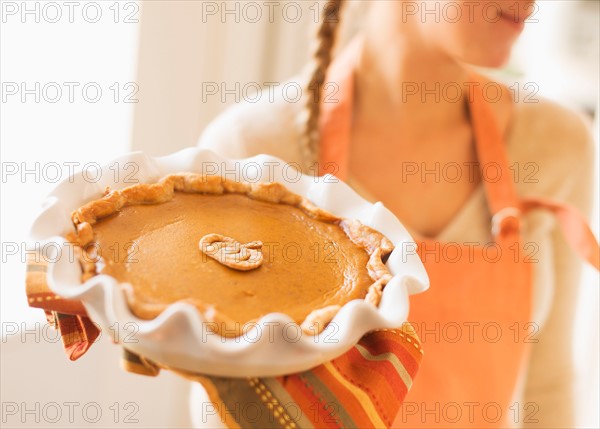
point(545, 140)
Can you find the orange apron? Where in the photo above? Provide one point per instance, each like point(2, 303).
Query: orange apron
point(474, 321)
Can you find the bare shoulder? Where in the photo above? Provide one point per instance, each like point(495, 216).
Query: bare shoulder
point(552, 140)
point(265, 123)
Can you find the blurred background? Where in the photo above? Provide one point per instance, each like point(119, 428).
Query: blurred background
point(84, 82)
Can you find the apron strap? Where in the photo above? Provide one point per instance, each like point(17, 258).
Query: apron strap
point(335, 120)
point(491, 153)
point(505, 205)
point(574, 227)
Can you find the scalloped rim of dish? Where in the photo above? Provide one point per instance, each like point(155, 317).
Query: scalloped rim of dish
point(178, 337)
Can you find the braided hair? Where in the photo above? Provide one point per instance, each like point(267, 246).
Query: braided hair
point(321, 57)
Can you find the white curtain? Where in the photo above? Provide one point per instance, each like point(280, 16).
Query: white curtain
point(191, 49)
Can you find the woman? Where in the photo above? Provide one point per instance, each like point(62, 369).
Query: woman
point(403, 118)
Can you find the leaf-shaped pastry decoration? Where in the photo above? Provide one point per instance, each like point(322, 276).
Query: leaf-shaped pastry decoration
point(231, 253)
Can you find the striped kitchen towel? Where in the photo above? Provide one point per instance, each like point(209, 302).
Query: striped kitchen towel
point(363, 388)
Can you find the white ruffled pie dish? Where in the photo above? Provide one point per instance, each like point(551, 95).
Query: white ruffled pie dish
point(178, 337)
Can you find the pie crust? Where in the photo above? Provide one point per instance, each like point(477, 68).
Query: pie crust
point(170, 200)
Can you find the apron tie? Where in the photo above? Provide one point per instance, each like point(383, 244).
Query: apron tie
point(573, 225)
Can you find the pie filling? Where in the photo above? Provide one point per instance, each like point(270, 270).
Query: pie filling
point(236, 251)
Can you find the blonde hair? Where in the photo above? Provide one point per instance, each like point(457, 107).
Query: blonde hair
point(321, 56)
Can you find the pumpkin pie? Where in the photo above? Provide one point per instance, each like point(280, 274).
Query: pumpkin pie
point(235, 250)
